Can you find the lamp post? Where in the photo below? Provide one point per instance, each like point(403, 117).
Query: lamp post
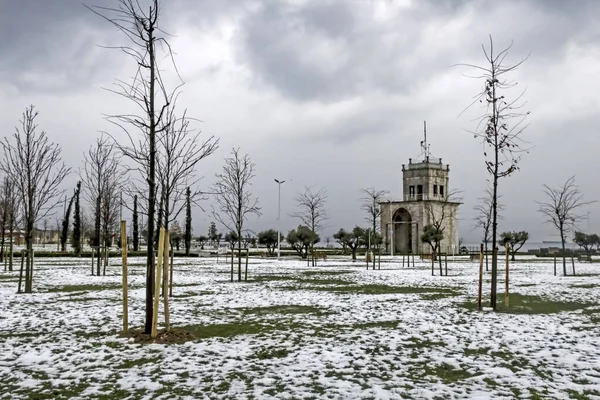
point(391, 229)
point(279, 183)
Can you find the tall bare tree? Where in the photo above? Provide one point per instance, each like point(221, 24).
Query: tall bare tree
point(500, 128)
point(561, 210)
point(180, 150)
point(5, 193)
point(483, 219)
point(234, 199)
point(34, 166)
point(312, 211)
point(370, 204)
point(77, 223)
point(10, 216)
point(64, 234)
point(148, 91)
point(102, 183)
point(439, 214)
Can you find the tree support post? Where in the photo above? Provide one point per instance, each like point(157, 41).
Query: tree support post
point(124, 274)
point(161, 247)
point(480, 289)
point(506, 302)
point(166, 277)
point(246, 270)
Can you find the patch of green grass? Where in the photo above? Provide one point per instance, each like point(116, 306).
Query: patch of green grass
point(270, 278)
point(325, 281)
point(226, 330)
point(445, 372)
point(585, 286)
point(8, 277)
point(193, 294)
point(584, 395)
point(523, 304)
point(283, 309)
point(80, 299)
point(418, 343)
point(321, 273)
point(376, 324)
point(128, 364)
point(386, 289)
point(270, 353)
point(82, 288)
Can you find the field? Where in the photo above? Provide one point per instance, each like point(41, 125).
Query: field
point(335, 331)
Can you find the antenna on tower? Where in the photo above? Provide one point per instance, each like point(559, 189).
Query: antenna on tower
point(424, 145)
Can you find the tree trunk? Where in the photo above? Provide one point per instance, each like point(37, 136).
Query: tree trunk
point(486, 258)
point(564, 256)
point(239, 255)
point(29, 266)
point(440, 260)
point(354, 254)
point(98, 232)
point(151, 185)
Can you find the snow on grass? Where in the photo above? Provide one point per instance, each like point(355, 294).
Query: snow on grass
point(292, 331)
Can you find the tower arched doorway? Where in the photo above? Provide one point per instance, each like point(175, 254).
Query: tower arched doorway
point(402, 231)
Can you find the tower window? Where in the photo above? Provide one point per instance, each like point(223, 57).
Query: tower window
point(435, 190)
point(411, 191)
point(442, 190)
point(419, 192)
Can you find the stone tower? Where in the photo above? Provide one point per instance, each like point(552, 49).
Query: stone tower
point(425, 199)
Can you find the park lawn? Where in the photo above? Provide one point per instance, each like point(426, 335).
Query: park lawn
point(292, 331)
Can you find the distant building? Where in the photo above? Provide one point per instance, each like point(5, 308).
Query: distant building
point(426, 198)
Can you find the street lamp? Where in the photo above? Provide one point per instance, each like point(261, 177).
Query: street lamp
point(279, 183)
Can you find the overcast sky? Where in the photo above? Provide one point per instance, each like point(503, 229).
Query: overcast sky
point(329, 93)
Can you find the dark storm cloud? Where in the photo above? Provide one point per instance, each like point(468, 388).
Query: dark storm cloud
point(328, 50)
point(54, 46)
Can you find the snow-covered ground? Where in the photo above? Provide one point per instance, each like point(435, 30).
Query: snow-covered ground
point(333, 331)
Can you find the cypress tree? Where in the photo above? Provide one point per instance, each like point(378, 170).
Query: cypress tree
point(136, 226)
point(76, 238)
point(188, 222)
point(65, 226)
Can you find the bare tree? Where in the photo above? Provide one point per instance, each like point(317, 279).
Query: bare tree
point(180, 150)
point(9, 204)
point(561, 208)
point(500, 128)
point(439, 214)
point(370, 204)
point(234, 199)
point(102, 183)
point(312, 213)
point(4, 214)
point(483, 219)
point(34, 166)
point(148, 91)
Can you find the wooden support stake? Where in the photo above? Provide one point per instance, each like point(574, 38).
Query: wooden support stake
point(21, 271)
point(171, 271)
point(379, 259)
point(246, 270)
point(446, 262)
point(161, 247)
point(92, 261)
point(231, 265)
point(506, 280)
point(554, 265)
point(480, 290)
point(124, 275)
point(166, 277)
